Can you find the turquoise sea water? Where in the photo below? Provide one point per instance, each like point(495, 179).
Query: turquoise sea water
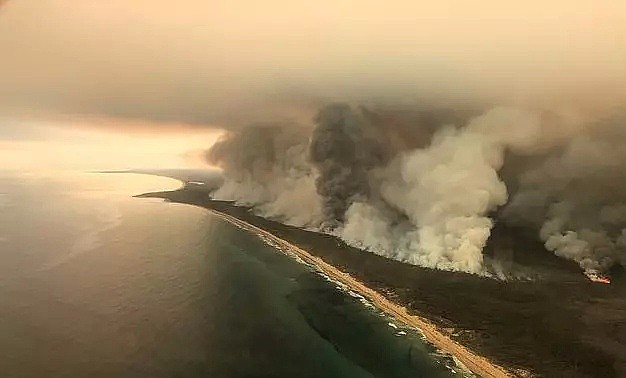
point(95, 283)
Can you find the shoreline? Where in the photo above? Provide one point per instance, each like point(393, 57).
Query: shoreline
point(560, 325)
point(477, 364)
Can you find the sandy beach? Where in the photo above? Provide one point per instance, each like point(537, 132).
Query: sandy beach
point(478, 365)
point(557, 325)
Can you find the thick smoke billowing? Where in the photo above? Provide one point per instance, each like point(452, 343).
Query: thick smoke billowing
point(421, 172)
point(446, 192)
point(266, 167)
point(576, 198)
point(341, 156)
point(427, 190)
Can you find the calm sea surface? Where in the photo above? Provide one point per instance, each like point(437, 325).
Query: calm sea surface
point(95, 283)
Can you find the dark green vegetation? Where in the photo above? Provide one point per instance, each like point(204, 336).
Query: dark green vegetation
point(557, 325)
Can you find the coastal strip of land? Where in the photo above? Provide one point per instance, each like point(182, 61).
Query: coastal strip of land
point(476, 364)
point(557, 325)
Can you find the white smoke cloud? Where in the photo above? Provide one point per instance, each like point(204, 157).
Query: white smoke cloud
point(576, 200)
point(289, 199)
point(435, 206)
point(446, 191)
point(265, 167)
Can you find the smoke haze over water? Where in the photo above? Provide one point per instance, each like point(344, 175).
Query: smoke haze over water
point(406, 129)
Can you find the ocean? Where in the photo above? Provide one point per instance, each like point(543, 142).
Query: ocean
point(96, 283)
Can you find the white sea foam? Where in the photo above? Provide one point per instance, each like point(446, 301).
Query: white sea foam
point(449, 361)
point(354, 294)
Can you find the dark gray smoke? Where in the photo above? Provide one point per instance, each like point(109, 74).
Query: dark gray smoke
point(340, 154)
point(575, 197)
point(348, 143)
point(425, 187)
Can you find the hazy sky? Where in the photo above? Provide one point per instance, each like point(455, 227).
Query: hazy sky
point(91, 144)
point(156, 67)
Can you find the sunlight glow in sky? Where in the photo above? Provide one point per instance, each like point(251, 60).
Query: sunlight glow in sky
point(153, 68)
point(61, 145)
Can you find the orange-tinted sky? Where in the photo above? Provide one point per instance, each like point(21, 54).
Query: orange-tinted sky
point(84, 144)
point(166, 65)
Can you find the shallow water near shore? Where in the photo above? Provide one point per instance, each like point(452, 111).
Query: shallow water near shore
point(96, 283)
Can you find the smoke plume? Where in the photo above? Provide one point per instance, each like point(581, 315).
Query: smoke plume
point(427, 190)
point(339, 153)
point(575, 198)
point(445, 193)
point(431, 125)
point(428, 202)
point(265, 166)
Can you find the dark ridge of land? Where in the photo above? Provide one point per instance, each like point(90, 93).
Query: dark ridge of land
point(557, 325)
